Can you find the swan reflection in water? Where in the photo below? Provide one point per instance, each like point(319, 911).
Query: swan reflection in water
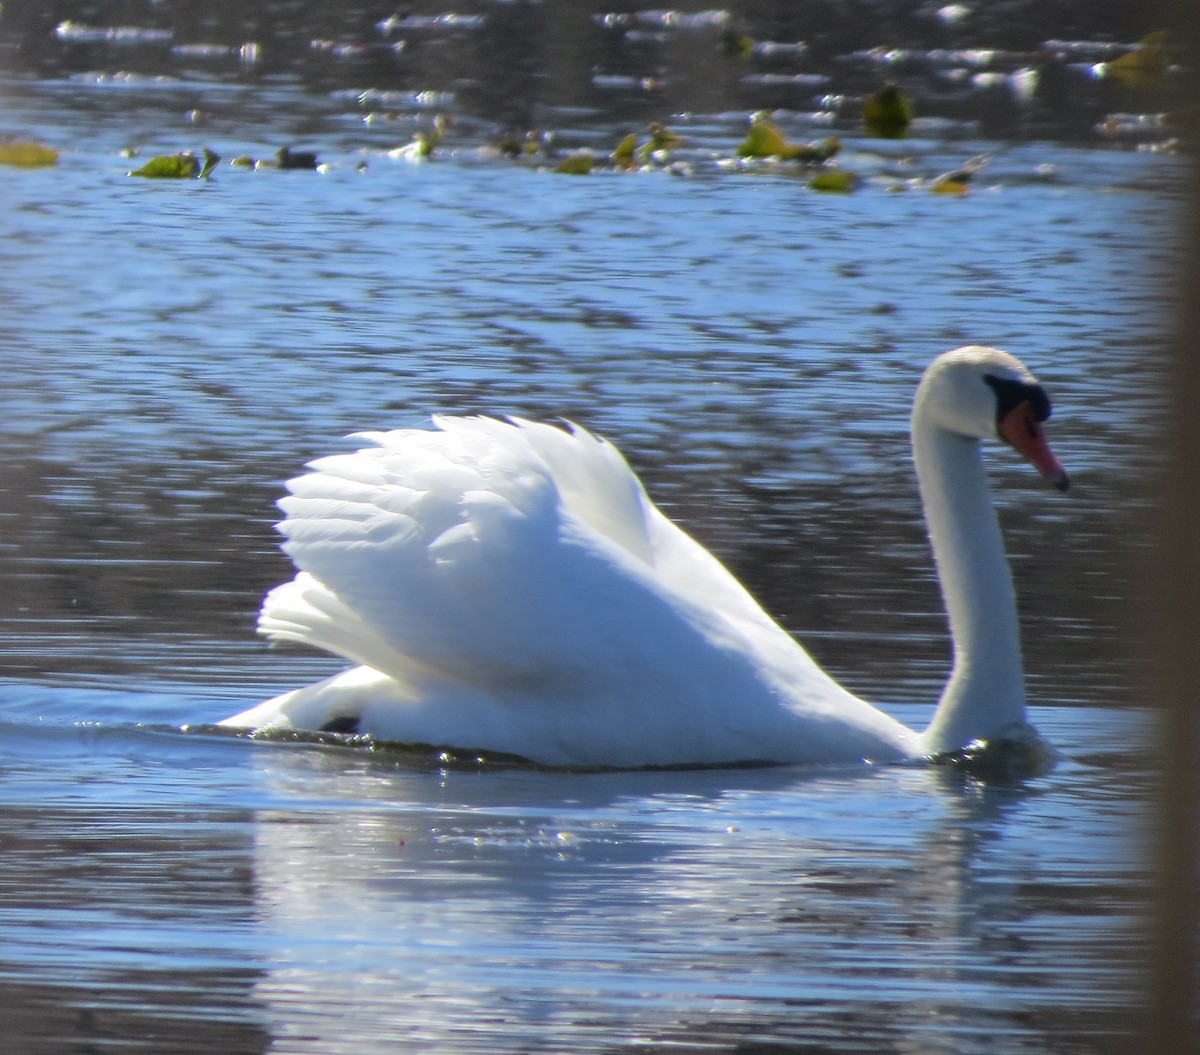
point(509, 586)
point(548, 911)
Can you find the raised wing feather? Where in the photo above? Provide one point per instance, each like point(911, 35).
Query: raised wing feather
point(495, 553)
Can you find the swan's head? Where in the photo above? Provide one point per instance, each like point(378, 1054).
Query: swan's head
point(984, 393)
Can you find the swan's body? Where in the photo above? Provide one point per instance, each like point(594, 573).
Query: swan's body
point(509, 586)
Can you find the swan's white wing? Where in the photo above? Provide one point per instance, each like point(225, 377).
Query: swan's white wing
point(592, 478)
point(597, 485)
point(306, 611)
point(506, 554)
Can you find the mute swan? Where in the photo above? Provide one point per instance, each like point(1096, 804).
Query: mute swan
point(509, 586)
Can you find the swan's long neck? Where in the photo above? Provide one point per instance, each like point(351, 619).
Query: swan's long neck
point(986, 690)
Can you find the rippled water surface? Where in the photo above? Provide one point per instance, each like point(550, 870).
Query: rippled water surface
point(173, 350)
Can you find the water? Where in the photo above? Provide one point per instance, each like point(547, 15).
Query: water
point(174, 351)
point(264, 897)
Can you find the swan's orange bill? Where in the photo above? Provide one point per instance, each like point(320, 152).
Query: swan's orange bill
point(1021, 429)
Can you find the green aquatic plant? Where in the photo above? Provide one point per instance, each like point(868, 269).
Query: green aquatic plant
point(625, 156)
point(577, 164)
point(429, 141)
point(661, 139)
point(184, 165)
point(630, 155)
point(170, 166)
point(887, 113)
point(530, 144)
point(765, 140)
point(211, 160)
point(1145, 66)
point(27, 154)
point(834, 181)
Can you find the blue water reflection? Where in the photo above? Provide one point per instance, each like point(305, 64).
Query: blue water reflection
point(345, 902)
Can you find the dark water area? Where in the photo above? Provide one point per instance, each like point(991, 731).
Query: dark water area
point(362, 73)
point(175, 349)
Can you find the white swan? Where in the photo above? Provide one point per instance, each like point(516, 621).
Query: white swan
point(509, 586)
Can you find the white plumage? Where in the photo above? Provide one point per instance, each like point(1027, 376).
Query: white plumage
point(509, 586)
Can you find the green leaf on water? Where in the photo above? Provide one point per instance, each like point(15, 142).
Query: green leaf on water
point(834, 181)
point(623, 156)
point(184, 165)
point(210, 163)
point(430, 141)
point(887, 113)
point(576, 164)
point(765, 140)
point(27, 154)
point(169, 166)
point(1143, 67)
point(662, 139)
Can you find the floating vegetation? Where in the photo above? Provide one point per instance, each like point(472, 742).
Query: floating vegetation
point(632, 154)
point(642, 54)
point(27, 154)
point(184, 165)
point(531, 144)
point(577, 164)
point(1144, 66)
point(646, 62)
point(834, 181)
point(625, 156)
point(887, 113)
point(765, 140)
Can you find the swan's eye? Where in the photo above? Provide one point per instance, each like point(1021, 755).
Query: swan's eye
point(1010, 394)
